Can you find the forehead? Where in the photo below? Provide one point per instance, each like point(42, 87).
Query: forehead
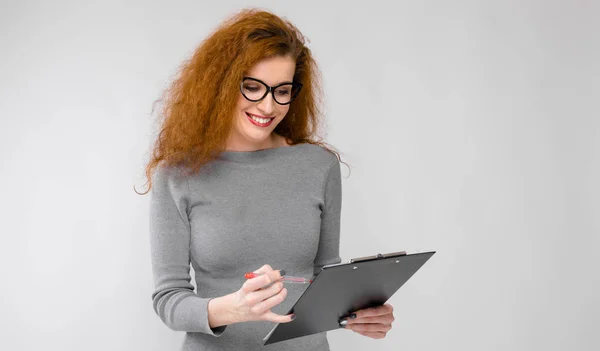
point(274, 70)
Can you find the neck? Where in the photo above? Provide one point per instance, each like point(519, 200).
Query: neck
point(270, 142)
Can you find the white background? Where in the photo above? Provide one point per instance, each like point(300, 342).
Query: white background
point(472, 128)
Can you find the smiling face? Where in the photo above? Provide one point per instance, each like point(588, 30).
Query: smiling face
point(254, 122)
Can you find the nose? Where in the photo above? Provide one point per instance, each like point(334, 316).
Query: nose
point(267, 105)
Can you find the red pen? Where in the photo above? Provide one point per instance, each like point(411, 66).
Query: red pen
point(285, 278)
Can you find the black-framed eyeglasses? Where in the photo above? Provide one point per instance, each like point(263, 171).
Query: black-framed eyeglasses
point(255, 90)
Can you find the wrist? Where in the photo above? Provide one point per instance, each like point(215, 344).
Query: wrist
point(220, 312)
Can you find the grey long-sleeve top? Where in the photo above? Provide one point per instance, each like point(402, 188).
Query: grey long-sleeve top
point(278, 206)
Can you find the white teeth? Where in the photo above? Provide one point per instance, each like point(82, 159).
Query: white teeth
point(260, 120)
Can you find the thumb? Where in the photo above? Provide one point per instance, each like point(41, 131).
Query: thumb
point(277, 318)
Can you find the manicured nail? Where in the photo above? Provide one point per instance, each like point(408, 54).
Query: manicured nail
point(282, 272)
point(352, 316)
point(343, 323)
point(293, 316)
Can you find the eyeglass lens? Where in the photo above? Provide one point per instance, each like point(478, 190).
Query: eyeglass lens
point(254, 90)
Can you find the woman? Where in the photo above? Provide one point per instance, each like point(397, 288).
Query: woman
point(240, 184)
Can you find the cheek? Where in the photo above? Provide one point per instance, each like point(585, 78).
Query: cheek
point(243, 104)
point(283, 110)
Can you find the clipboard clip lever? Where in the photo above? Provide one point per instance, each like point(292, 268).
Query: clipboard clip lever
point(377, 257)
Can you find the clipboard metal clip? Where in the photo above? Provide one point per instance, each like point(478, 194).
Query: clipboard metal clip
point(377, 257)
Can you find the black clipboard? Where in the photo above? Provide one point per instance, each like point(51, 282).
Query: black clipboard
point(342, 288)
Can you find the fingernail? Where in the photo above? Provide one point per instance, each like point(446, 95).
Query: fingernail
point(293, 316)
point(352, 316)
point(343, 323)
point(282, 272)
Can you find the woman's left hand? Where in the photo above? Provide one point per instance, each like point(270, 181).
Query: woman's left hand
point(373, 322)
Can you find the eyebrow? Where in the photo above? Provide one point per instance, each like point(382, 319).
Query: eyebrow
point(284, 82)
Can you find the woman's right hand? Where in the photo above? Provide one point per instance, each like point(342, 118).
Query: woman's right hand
point(252, 302)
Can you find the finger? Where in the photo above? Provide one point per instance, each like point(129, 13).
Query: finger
point(256, 283)
point(369, 327)
point(257, 296)
point(374, 311)
point(274, 274)
point(266, 276)
point(264, 269)
point(269, 303)
point(261, 281)
point(277, 318)
point(374, 335)
point(385, 319)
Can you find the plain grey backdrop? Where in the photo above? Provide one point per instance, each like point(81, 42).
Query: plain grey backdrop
point(471, 128)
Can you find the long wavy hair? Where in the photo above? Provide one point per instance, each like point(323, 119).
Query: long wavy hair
point(199, 105)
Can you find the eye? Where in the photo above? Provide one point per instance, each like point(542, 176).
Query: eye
point(251, 88)
point(283, 92)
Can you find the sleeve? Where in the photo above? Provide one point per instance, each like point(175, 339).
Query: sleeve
point(329, 241)
point(173, 298)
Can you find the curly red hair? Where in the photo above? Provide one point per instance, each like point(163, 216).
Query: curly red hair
point(199, 105)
